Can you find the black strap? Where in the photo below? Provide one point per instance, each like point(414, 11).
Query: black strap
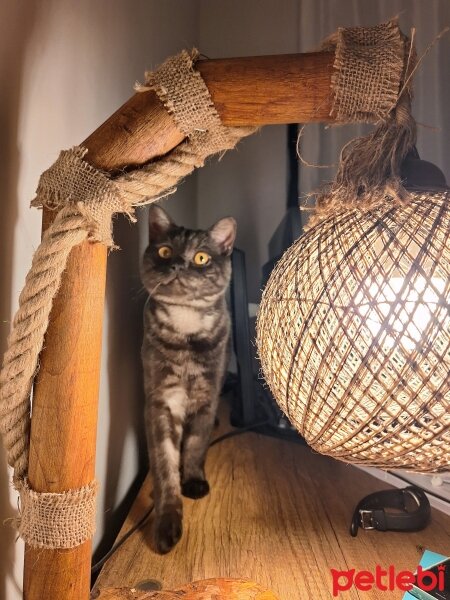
point(371, 511)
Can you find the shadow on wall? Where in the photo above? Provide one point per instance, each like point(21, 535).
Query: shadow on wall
point(125, 301)
point(16, 25)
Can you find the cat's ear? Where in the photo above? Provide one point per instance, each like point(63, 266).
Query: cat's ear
point(223, 233)
point(159, 222)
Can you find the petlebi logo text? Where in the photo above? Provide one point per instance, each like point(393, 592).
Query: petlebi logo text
point(387, 580)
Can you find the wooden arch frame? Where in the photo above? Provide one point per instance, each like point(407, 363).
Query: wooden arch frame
point(246, 91)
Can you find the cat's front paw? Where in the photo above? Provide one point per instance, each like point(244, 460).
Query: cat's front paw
point(167, 531)
point(195, 488)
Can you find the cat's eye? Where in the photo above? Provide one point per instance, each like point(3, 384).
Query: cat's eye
point(201, 259)
point(165, 252)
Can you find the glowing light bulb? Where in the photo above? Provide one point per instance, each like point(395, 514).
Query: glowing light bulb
point(398, 310)
point(354, 334)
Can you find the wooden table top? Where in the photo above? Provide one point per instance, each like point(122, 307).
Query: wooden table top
point(277, 514)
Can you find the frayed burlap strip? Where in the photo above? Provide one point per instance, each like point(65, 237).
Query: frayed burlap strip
point(183, 92)
point(96, 197)
point(371, 83)
point(87, 199)
point(51, 520)
point(368, 67)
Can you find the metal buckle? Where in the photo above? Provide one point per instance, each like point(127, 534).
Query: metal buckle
point(366, 519)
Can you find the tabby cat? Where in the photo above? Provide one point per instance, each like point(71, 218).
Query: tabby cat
point(184, 353)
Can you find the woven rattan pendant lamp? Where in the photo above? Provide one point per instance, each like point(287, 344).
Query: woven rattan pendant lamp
point(354, 324)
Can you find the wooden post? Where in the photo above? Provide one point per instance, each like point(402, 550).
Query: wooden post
point(248, 91)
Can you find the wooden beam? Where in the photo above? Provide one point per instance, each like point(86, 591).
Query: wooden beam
point(248, 91)
point(262, 90)
point(270, 90)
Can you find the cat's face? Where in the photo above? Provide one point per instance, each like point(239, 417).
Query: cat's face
point(187, 264)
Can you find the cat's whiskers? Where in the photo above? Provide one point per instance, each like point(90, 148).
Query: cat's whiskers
point(140, 292)
point(153, 290)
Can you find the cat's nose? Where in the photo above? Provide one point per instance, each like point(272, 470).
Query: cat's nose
point(176, 267)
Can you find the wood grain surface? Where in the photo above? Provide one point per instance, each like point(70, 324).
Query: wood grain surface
point(277, 514)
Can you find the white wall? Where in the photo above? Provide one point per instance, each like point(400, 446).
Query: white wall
point(65, 67)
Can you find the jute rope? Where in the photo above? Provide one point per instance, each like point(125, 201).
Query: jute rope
point(86, 200)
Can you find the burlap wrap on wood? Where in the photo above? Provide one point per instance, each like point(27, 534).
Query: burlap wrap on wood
point(183, 92)
point(368, 66)
point(57, 520)
point(86, 200)
point(97, 198)
point(371, 83)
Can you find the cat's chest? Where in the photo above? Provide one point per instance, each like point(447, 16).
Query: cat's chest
point(188, 321)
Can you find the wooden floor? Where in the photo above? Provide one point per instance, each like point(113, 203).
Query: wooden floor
point(277, 514)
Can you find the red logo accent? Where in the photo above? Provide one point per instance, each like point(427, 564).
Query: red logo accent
point(387, 580)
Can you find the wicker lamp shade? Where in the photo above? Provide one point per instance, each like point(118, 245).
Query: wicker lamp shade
point(354, 334)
